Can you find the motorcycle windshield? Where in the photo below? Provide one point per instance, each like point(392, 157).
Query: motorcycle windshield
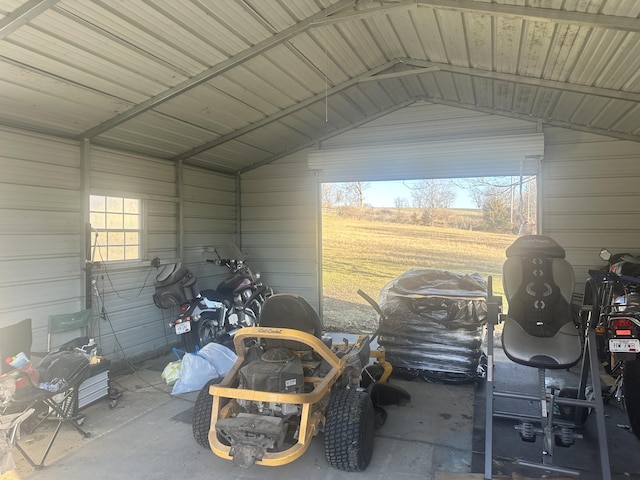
point(232, 250)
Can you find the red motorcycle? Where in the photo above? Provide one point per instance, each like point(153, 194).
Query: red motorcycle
point(613, 294)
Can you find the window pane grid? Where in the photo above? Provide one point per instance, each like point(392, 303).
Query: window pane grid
point(117, 222)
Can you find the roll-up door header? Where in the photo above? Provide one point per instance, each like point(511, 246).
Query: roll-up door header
point(459, 158)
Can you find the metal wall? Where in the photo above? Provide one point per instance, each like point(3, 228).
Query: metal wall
point(280, 226)
point(186, 212)
point(40, 234)
point(590, 196)
point(588, 187)
point(589, 199)
point(428, 140)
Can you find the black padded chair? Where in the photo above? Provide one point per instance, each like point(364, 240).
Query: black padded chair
point(14, 338)
point(541, 331)
point(24, 395)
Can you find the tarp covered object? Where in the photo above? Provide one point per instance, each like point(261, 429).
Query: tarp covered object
point(433, 322)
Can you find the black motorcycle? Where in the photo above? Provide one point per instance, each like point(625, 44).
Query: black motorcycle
point(215, 315)
point(613, 294)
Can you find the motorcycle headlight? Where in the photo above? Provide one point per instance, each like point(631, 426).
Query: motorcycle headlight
point(196, 317)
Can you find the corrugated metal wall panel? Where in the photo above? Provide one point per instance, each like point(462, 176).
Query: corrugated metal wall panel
point(280, 226)
point(125, 292)
point(209, 209)
point(428, 140)
point(425, 121)
point(589, 196)
point(139, 175)
point(42, 235)
point(40, 250)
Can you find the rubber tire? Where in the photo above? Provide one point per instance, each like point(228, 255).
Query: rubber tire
point(567, 412)
point(631, 391)
point(349, 431)
point(201, 421)
point(197, 337)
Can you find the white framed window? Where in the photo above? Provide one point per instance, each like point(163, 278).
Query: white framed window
point(118, 223)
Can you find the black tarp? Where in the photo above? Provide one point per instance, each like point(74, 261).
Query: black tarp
point(433, 323)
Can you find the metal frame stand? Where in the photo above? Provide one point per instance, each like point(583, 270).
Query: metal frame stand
point(550, 428)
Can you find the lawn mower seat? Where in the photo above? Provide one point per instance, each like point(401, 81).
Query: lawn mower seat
point(290, 311)
point(539, 330)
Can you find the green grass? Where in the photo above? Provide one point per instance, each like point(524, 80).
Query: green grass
point(366, 254)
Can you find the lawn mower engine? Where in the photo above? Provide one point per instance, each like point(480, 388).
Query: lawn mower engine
point(262, 426)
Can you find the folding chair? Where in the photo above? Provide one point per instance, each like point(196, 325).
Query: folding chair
point(540, 331)
point(58, 405)
point(66, 322)
point(9, 434)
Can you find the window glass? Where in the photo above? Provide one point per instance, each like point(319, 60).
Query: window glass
point(117, 221)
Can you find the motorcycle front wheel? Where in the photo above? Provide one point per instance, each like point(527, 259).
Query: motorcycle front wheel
point(631, 391)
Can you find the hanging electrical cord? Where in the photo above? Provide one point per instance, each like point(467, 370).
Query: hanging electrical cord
point(113, 288)
point(105, 316)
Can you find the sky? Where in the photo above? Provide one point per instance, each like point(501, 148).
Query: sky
point(383, 194)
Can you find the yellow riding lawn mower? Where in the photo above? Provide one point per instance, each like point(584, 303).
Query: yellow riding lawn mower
point(290, 382)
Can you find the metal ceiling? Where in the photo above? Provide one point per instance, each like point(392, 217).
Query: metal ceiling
point(230, 85)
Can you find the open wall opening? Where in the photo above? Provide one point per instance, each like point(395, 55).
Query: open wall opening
point(372, 232)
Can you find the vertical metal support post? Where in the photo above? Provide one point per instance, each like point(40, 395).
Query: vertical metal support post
point(239, 211)
point(493, 310)
point(180, 191)
point(319, 277)
point(592, 353)
point(85, 228)
point(546, 414)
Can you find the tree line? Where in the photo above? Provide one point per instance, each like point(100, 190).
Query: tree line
point(506, 204)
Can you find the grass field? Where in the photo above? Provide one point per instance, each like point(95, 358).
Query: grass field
point(367, 254)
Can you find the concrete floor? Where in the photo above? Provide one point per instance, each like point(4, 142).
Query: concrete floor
point(148, 436)
point(438, 436)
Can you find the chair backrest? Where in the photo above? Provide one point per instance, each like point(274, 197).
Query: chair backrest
point(290, 311)
point(538, 283)
point(65, 322)
point(14, 339)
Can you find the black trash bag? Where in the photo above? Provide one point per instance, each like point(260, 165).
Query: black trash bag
point(63, 368)
point(433, 321)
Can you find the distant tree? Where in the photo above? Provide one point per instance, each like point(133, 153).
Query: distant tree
point(519, 193)
point(495, 212)
point(353, 193)
point(432, 196)
point(328, 194)
point(401, 202)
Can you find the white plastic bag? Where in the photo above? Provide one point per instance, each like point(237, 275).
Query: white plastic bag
point(194, 373)
point(221, 357)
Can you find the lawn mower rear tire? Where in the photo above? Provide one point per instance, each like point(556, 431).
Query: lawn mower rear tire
point(349, 430)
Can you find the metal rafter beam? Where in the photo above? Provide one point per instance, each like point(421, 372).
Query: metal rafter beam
point(423, 67)
point(593, 20)
point(282, 113)
point(216, 70)
point(627, 24)
point(532, 118)
point(521, 79)
point(23, 15)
